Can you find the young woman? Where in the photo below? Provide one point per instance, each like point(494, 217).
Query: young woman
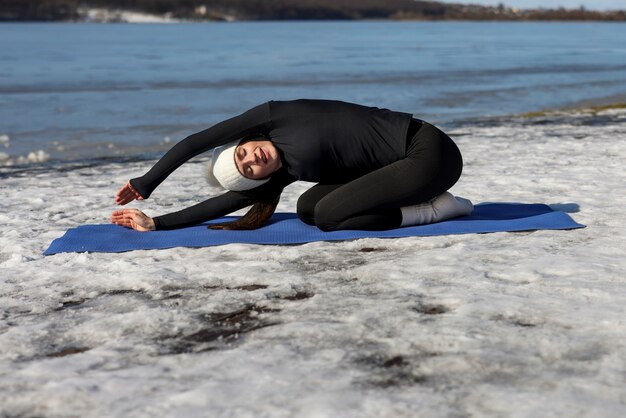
point(375, 168)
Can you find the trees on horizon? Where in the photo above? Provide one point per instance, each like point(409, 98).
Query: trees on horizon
point(53, 10)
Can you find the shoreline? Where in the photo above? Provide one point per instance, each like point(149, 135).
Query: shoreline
point(591, 106)
point(571, 110)
point(21, 166)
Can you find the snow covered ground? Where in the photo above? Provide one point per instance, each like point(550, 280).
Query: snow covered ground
point(89, 14)
point(507, 324)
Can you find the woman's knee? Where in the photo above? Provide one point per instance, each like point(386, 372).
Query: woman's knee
point(453, 163)
point(311, 215)
point(305, 211)
point(325, 218)
point(309, 200)
point(312, 211)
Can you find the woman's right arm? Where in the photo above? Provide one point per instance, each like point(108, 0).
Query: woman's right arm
point(255, 120)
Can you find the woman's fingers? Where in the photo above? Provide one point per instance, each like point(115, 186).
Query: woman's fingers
point(125, 213)
point(121, 199)
point(127, 194)
point(120, 219)
point(123, 217)
point(132, 218)
point(123, 196)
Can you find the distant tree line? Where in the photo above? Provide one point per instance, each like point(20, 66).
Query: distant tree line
point(574, 14)
point(11, 10)
point(51, 10)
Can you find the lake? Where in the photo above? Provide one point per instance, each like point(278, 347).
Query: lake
point(80, 91)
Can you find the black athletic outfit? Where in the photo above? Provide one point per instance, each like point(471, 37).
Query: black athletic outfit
point(368, 162)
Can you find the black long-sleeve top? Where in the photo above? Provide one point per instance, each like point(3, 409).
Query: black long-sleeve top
point(324, 141)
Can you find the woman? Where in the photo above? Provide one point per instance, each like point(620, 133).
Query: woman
point(375, 168)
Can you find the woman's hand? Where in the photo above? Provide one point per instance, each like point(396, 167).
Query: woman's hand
point(133, 218)
point(127, 194)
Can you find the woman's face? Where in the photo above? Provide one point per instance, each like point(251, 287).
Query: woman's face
point(257, 159)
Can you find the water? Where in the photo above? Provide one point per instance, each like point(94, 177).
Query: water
point(80, 91)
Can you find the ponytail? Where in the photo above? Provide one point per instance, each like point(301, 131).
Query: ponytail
point(257, 216)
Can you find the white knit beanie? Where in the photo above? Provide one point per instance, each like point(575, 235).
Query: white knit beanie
point(222, 170)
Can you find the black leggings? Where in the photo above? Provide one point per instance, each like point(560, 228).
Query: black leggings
point(372, 202)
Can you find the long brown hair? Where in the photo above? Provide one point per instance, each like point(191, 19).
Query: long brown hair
point(257, 216)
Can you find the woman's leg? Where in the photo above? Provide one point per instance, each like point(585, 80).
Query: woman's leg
point(307, 202)
point(372, 202)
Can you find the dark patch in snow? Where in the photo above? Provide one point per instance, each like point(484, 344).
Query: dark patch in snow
point(247, 313)
point(250, 287)
point(172, 296)
point(70, 304)
point(392, 371)
point(395, 361)
point(212, 286)
point(170, 292)
point(67, 351)
point(299, 295)
point(431, 309)
point(220, 330)
point(115, 292)
point(520, 322)
point(372, 249)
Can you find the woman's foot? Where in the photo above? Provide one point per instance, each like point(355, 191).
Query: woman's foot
point(445, 206)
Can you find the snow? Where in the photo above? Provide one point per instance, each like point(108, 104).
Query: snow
point(39, 156)
point(127, 16)
point(507, 324)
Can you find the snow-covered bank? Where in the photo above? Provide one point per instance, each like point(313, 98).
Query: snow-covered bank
point(122, 16)
point(513, 324)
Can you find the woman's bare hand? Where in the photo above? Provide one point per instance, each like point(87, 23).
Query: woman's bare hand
point(133, 218)
point(127, 194)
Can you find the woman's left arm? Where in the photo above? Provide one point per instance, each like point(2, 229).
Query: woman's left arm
point(227, 203)
point(219, 206)
point(209, 209)
point(212, 208)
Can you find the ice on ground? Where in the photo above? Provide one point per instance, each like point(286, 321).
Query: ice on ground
point(507, 324)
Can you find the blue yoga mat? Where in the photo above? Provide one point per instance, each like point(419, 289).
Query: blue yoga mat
point(286, 228)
